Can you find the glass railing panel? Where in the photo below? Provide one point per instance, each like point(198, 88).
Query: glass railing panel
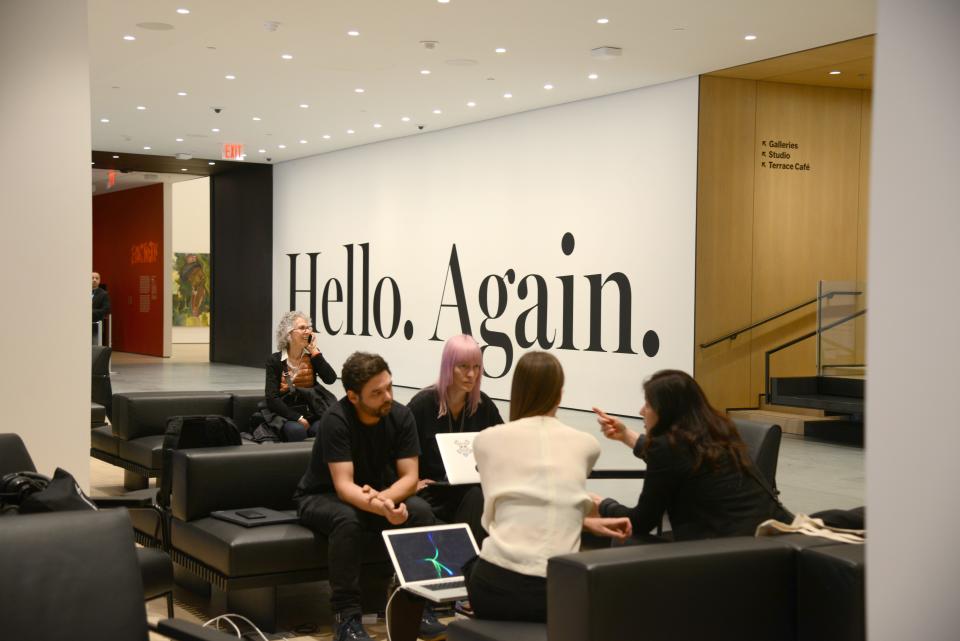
point(841, 309)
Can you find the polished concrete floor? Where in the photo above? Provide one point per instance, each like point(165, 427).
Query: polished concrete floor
point(812, 475)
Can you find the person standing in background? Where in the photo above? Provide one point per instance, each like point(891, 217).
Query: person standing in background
point(101, 304)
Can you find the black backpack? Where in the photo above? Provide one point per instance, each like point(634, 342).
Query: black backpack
point(189, 432)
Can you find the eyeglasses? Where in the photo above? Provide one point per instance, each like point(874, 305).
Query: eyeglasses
point(306, 328)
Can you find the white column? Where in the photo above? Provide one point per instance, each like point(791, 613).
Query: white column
point(913, 349)
point(45, 242)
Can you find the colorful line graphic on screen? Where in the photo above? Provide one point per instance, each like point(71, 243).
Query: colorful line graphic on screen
point(434, 560)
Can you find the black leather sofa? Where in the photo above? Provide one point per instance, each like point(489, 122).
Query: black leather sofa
point(245, 567)
point(790, 588)
point(135, 436)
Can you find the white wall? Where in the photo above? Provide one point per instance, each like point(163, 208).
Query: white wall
point(618, 172)
point(191, 216)
point(913, 568)
point(45, 247)
point(191, 234)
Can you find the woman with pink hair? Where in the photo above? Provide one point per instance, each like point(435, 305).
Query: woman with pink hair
point(454, 404)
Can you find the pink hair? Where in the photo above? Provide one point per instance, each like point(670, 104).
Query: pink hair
point(459, 349)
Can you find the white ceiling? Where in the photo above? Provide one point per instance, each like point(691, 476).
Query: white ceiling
point(547, 41)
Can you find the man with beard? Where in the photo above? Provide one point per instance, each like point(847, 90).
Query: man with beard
point(362, 478)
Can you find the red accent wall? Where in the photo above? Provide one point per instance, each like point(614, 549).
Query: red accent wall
point(128, 252)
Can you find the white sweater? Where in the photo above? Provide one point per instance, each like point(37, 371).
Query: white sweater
point(533, 472)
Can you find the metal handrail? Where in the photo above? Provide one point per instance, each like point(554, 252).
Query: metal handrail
point(799, 339)
point(736, 333)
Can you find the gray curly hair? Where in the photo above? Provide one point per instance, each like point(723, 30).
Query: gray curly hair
point(287, 321)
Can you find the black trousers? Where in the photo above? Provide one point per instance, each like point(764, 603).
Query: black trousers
point(457, 504)
point(505, 595)
point(344, 525)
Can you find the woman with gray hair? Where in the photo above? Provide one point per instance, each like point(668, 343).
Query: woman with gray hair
point(293, 391)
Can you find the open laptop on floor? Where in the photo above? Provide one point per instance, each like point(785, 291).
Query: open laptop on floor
point(429, 560)
point(456, 451)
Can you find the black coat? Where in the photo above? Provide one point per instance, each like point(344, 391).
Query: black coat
point(275, 366)
point(702, 504)
point(101, 304)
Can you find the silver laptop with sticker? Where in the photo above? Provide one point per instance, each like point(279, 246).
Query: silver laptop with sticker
point(429, 560)
point(456, 451)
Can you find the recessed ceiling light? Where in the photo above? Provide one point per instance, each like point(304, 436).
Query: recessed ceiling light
point(104, 120)
point(603, 20)
point(424, 72)
point(304, 106)
point(303, 142)
point(749, 36)
point(179, 139)
point(211, 163)
point(286, 56)
point(353, 33)
point(261, 151)
point(471, 104)
point(183, 12)
point(438, 111)
point(326, 136)
point(183, 169)
point(377, 125)
point(444, 1)
point(181, 93)
point(130, 38)
point(281, 146)
point(230, 76)
point(508, 95)
point(548, 86)
point(116, 156)
point(349, 131)
point(358, 90)
point(215, 130)
point(146, 148)
point(141, 108)
point(257, 118)
point(405, 118)
point(593, 76)
point(835, 72)
point(500, 50)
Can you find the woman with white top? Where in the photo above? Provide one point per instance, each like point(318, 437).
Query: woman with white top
point(533, 471)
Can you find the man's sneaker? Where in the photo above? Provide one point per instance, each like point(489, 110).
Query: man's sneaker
point(350, 629)
point(430, 628)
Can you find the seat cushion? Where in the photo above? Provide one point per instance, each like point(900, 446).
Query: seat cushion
point(103, 440)
point(238, 551)
point(145, 451)
point(481, 630)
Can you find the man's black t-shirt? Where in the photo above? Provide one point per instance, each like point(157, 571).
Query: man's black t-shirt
point(373, 449)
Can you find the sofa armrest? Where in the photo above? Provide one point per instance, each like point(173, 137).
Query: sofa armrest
point(719, 589)
point(181, 630)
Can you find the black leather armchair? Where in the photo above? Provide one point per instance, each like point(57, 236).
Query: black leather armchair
point(156, 569)
point(101, 390)
point(763, 444)
point(74, 575)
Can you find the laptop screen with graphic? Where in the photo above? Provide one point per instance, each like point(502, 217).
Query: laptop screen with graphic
point(431, 553)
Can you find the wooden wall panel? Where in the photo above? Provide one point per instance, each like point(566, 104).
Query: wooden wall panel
point(765, 235)
point(805, 221)
point(866, 117)
point(725, 174)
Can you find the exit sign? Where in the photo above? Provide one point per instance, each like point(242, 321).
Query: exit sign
point(232, 151)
